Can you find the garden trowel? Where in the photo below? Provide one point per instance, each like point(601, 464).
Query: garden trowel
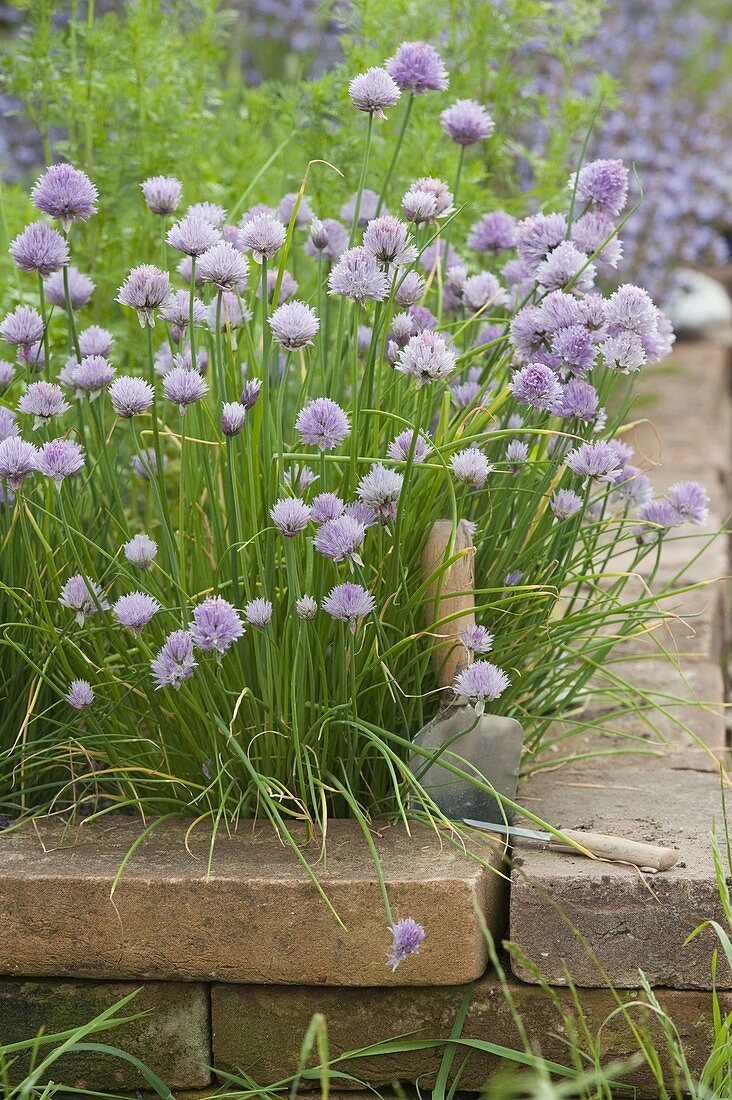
point(486, 746)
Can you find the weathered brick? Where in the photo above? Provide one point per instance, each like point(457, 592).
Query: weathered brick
point(173, 1040)
point(259, 1029)
point(255, 917)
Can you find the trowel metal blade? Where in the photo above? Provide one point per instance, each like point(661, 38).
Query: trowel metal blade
point(486, 746)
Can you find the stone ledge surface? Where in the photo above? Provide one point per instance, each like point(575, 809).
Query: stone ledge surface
point(256, 917)
point(173, 1040)
point(599, 920)
point(259, 1030)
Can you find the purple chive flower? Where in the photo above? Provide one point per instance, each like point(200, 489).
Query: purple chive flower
point(466, 122)
point(95, 341)
point(481, 681)
point(400, 447)
point(407, 937)
point(559, 310)
point(233, 312)
point(565, 503)
point(374, 92)
point(233, 415)
point(426, 357)
point(294, 325)
point(7, 374)
point(579, 400)
point(65, 193)
point(340, 539)
point(471, 467)
point(193, 235)
point(40, 249)
point(322, 423)
point(288, 286)
point(358, 276)
point(477, 639)
point(82, 596)
point(258, 613)
point(417, 67)
point(349, 603)
point(184, 387)
point(250, 392)
point(130, 396)
point(33, 355)
point(91, 375)
point(328, 239)
point(145, 289)
point(80, 694)
point(598, 461)
point(379, 489)
point(44, 401)
point(603, 184)
point(403, 327)
point(594, 233)
point(440, 192)
point(60, 458)
point(363, 513)
point(631, 309)
point(183, 360)
point(211, 212)
point(528, 331)
point(326, 506)
point(306, 607)
point(690, 499)
point(537, 235)
point(175, 661)
point(24, 326)
point(135, 610)
point(409, 289)
point(147, 462)
point(17, 461)
point(495, 232)
point(264, 234)
point(216, 625)
point(290, 516)
point(224, 266)
point(632, 486)
point(464, 392)
point(162, 194)
point(623, 353)
point(300, 478)
point(176, 310)
point(366, 211)
point(287, 205)
point(517, 454)
point(566, 266)
point(483, 290)
point(513, 578)
point(538, 386)
point(423, 318)
point(658, 516)
point(389, 240)
point(81, 288)
point(574, 350)
point(140, 550)
point(8, 423)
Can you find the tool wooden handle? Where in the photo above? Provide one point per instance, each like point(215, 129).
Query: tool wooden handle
point(618, 849)
point(455, 586)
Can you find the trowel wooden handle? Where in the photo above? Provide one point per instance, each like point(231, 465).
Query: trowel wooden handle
point(455, 585)
point(618, 849)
